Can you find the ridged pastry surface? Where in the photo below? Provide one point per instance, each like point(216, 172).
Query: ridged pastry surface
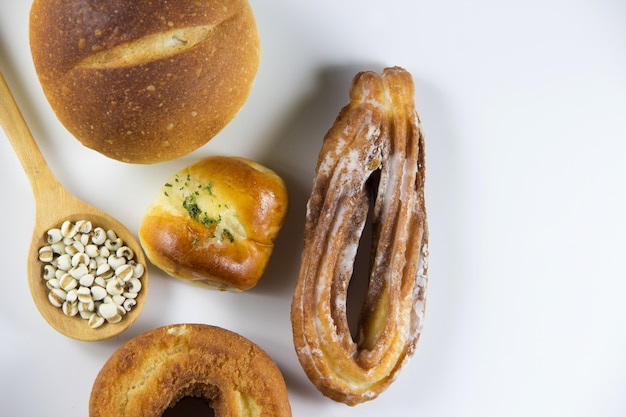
point(371, 164)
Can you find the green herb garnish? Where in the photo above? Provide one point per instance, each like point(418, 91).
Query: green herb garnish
point(226, 234)
point(209, 188)
point(192, 207)
point(210, 221)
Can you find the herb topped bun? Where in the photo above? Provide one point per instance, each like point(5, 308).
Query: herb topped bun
point(214, 222)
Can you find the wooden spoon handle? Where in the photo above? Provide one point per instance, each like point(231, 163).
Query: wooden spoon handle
point(39, 174)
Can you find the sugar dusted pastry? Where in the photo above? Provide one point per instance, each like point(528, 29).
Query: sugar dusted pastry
point(371, 163)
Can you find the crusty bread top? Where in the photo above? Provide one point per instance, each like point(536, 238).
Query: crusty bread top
point(144, 82)
point(156, 369)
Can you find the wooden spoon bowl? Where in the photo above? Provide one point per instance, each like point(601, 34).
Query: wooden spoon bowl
point(53, 205)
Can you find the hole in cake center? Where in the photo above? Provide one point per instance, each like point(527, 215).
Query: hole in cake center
point(190, 407)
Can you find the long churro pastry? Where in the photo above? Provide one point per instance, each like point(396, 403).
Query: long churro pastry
point(370, 170)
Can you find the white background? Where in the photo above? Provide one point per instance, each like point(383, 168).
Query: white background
point(523, 104)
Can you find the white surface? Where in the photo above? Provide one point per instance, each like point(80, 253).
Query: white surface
point(523, 106)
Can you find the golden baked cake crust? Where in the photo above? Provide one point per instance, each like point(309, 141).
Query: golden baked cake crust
point(154, 370)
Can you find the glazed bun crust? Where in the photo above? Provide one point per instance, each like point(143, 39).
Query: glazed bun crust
point(214, 222)
point(144, 82)
point(154, 370)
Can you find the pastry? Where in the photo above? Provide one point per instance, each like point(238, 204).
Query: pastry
point(214, 222)
point(371, 164)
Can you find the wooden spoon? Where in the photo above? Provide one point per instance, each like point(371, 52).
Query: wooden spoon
point(53, 205)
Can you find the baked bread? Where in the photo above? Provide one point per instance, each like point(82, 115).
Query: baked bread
point(153, 371)
point(144, 82)
point(214, 222)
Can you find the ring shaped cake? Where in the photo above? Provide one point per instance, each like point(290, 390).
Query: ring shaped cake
point(153, 371)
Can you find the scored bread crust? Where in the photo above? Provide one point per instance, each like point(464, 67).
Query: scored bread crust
point(156, 369)
point(214, 222)
point(144, 82)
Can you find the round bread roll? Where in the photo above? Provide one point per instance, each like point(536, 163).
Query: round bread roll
point(214, 222)
point(153, 371)
point(144, 82)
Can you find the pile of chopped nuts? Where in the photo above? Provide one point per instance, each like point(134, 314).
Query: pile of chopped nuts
point(90, 272)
